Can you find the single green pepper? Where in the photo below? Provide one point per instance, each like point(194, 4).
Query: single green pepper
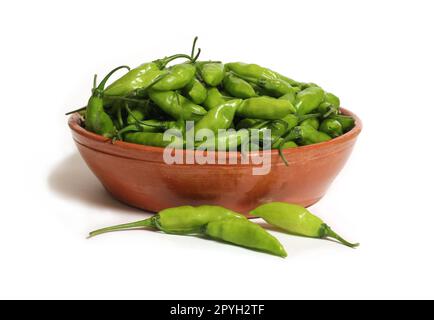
point(332, 127)
point(212, 73)
point(176, 105)
point(306, 135)
point(297, 220)
point(196, 91)
point(219, 117)
point(266, 108)
point(313, 122)
point(154, 139)
point(256, 71)
point(214, 98)
point(308, 100)
point(271, 87)
point(238, 87)
point(141, 77)
point(97, 120)
point(244, 233)
point(326, 109)
point(178, 220)
point(347, 122)
point(332, 99)
point(179, 76)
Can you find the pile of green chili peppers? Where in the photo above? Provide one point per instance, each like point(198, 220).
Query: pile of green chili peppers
point(154, 97)
point(228, 226)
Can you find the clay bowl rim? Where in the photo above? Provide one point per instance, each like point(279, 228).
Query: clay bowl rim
point(75, 119)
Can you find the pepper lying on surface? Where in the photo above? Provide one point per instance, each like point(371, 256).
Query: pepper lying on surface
point(226, 225)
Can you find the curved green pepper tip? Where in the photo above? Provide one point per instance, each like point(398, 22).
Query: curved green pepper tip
point(326, 231)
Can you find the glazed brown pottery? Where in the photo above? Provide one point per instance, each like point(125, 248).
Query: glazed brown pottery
point(138, 176)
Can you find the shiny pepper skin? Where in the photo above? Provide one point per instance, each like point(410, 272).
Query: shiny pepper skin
point(176, 105)
point(219, 117)
point(265, 108)
point(212, 73)
point(214, 98)
point(297, 220)
point(332, 127)
point(256, 71)
point(308, 100)
point(196, 91)
point(238, 87)
point(178, 77)
point(138, 78)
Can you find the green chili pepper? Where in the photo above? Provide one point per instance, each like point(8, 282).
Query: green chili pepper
point(256, 71)
point(179, 76)
point(196, 91)
point(306, 135)
point(285, 145)
point(244, 233)
point(266, 108)
point(214, 98)
point(219, 117)
point(326, 109)
point(308, 100)
point(212, 73)
point(178, 220)
point(313, 122)
point(238, 87)
point(332, 127)
point(177, 106)
point(97, 120)
point(141, 77)
point(347, 122)
point(154, 139)
point(228, 140)
point(139, 112)
point(280, 127)
point(332, 99)
point(271, 87)
point(297, 220)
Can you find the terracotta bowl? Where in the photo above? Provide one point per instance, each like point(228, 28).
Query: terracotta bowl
point(138, 176)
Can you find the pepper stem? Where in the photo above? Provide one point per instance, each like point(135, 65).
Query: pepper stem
point(193, 49)
point(104, 81)
point(74, 111)
point(326, 231)
point(148, 223)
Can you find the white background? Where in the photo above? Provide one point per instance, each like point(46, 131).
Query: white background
point(376, 55)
